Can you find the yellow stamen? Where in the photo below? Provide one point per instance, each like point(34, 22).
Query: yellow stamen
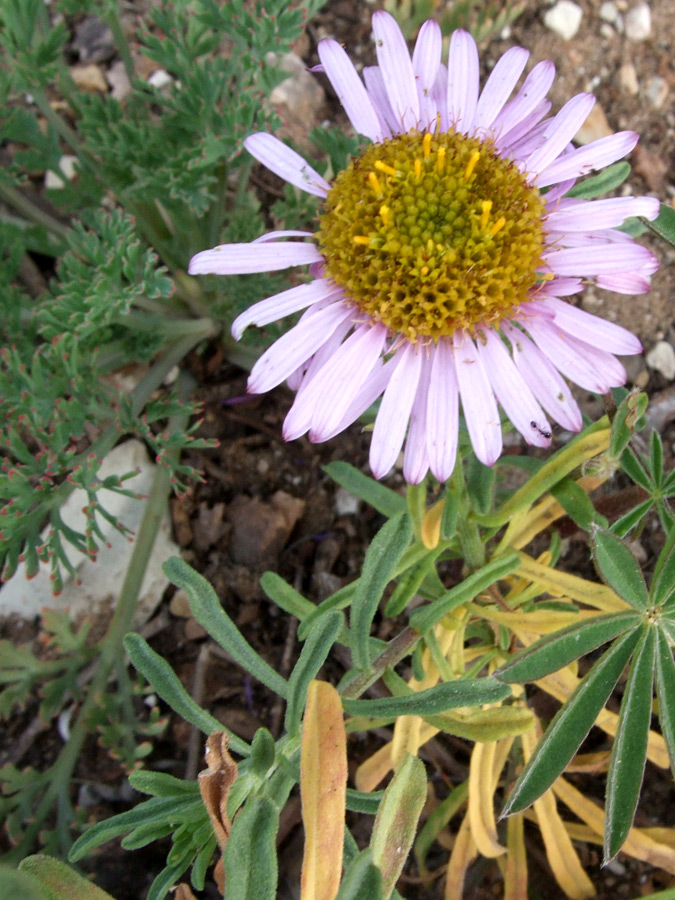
point(424, 270)
point(440, 160)
point(487, 206)
point(426, 144)
point(438, 122)
point(471, 165)
point(546, 276)
point(374, 182)
point(383, 167)
point(417, 165)
point(361, 239)
point(498, 225)
point(384, 214)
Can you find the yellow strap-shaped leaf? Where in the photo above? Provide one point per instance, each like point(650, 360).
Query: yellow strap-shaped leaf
point(515, 876)
point(463, 854)
point(638, 844)
point(561, 684)
point(481, 800)
point(431, 525)
point(560, 851)
point(562, 584)
point(323, 791)
point(539, 622)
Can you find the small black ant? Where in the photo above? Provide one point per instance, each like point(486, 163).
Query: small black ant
point(542, 431)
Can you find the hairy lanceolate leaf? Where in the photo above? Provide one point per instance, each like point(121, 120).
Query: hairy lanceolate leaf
point(665, 689)
point(438, 699)
point(207, 610)
point(362, 880)
point(619, 568)
point(396, 821)
point(381, 498)
point(663, 581)
point(628, 418)
point(664, 224)
point(57, 881)
point(323, 785)
point(317, 647)
point(608, 180)
point(378, 567)
point(571, 724)
point(556, 650)
point(629, 753)
point(250, 857)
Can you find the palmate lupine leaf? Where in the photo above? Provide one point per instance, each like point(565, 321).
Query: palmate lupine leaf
point(619, 569)
point(665, 688)
point(663, 580)
point(571, 724)
point(629, 752)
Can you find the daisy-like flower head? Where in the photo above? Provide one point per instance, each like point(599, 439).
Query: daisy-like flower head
point(442, 257)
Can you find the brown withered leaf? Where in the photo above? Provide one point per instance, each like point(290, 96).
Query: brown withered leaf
point(215, 783)
point(184, 892)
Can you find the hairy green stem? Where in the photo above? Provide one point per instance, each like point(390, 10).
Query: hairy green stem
point(468, 532)
point(393, 653)
point(31, 211)
point(60, 125)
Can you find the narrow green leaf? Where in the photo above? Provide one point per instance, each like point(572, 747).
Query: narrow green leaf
point(480, 484)
point(341, 599)
point(56, 881)
point(631, 519)
point(452, 495)
point(18, 885)
point(438, 819)
point(381, 498)
point(168, 877)
point(667, 625)
point(378, 567)
point(362, 880)
point(665, 689)
point(629, 753)
point(556, 650)
point(619, 569)
point(656, 456)
point(207, 610)
point(167, 685)
point(429, 616)
point(250, 855)
point(313, 655)
point(362, 802)
point(663, 581)
point(285, 596)
point(628, 419)
point(633, 467)
point(396, 820)
point(577, 504)
point(438, 699)
point(570, 725)
point(608, 180)
point(161, 810)
point(263, 753)
point(161, 784)
point(664, 224)
point(410, 583)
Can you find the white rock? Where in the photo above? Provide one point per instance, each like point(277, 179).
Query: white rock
point(160, 78)
point(657, 91)
point(117, 78)
point(346, 504)
point(662, 358)
point(100, 581)
point(68, 165)
point(608, 12)
point(639, 22)
point(628, 79)
point(564, 18)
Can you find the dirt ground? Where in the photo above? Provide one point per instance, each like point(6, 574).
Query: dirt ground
point(268, 505)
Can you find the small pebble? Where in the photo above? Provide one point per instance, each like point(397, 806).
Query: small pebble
point(68, 164)
point(609, 12)
point(639, 22)
point(628, 79)
point(657, 91)
point(661, 358)
point(564, 19)
point(89, 78)
point(160, 79)
point(346, 504)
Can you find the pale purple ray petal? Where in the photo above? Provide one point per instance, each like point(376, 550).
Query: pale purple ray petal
point(394, 413)
point(397, 71)
point(377, 92)
point(415, 459)
point(350, 90)
point(478, 400)
point(543, 379)
point(560, 130)
point(591, 329)
point(499, 85)
point(295, 347)
point(559, 287)
point(508, 140)
point(242, 259)
point(602, 259)
point(343, 376)
point(559, 190)
point(426, 60)
point(627, 283)
point(512, 391)
point(299, 417)
point(372, 389)
point(593, 156)
point(439, 93)
point(270, 236)
point(587, 215)
point(463, 76)
point(442, 412)
point(276, 307)
point(588, 366)
point(286, 163)
point(534, 90)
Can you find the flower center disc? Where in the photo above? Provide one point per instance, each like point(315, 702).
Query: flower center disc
point(430, 233)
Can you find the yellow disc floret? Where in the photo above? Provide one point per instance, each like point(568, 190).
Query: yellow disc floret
point(430, 233)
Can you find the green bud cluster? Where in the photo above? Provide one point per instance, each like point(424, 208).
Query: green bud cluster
point(430, 233)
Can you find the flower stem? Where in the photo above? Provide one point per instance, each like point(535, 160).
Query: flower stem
point(468, 532)
point(31, 211)
point(114, 22)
